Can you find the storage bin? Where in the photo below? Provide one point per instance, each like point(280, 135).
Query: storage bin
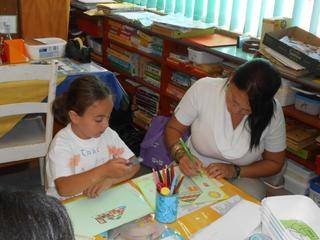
point(200, 57)
point(291, 207)
point(314, 190)
point(297, 177)
point(293, 185)
point(44, 48)
point(307, 103)
point(285, 94)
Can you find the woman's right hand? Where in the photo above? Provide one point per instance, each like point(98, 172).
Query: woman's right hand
point(118, 167)
point(189, 168)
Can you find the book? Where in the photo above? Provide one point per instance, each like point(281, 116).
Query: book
point(179, 33)
point(118, 7)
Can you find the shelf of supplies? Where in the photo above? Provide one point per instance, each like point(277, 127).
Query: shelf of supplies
point(313, 121)
point(187, 70)
point(136, 50)
point(131, 90)
point(89, 25)
point(137, 79)
point(97, 58)
point(173, 98)
point(307, 163)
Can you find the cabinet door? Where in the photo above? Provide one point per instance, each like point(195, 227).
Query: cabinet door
point(44, 18)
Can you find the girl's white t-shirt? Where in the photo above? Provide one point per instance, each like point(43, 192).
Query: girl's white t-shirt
point(68, 154)
point(213, 138)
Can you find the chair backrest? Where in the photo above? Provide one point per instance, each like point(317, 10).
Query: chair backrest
point(31, 72)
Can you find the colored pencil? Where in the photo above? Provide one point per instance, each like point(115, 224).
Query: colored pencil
point(186, 149)
point(176, 189)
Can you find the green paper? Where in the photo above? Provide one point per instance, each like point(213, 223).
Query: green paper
point(195, 190)
point(114, 207)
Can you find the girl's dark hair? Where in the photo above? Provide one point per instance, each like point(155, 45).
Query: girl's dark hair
point(30, 215)
point(261, 80)
point(82, 93)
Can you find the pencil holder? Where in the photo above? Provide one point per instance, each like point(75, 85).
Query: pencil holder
point(166, 208)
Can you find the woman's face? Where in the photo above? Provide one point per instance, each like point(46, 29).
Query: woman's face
point(237, 101)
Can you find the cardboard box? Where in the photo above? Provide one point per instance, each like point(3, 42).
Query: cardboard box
point(274, 24)
point(272, 40)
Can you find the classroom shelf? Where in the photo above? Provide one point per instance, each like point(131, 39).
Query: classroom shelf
point(307, 163)
point(135, 50)
point(137, 79)
point(97, 58)
point(313, 121)
point(171, 97)
point(186, 69)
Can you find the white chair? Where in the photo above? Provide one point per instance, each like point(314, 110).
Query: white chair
point(30, 138)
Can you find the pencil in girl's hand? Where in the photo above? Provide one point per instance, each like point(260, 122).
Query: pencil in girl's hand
point(176, 189)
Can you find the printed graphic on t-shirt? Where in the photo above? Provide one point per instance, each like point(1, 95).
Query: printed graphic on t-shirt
point(114, 151)
point(74, 161)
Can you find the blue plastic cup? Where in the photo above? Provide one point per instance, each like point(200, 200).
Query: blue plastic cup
point(166, 208)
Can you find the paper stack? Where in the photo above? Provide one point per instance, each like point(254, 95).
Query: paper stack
point(290, 217)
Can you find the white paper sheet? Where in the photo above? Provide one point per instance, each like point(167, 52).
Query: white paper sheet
point(238, 223)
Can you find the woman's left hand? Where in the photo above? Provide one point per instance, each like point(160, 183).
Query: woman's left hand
point(96, 189)
point(220, 170)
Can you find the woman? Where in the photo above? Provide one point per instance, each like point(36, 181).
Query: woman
point(237, 127)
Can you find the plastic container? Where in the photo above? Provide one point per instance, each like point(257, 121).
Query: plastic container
point(301, 172)
point(200, 57)
point(291, 207)
point(307, 103)
point(314, 190)
point(44, 48)
point(166, 208)
point(285, 94)
point(295, 186)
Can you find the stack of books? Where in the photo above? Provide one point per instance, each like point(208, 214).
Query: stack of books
point(123, 60)
point(301, 141)
point(284, 64)
point(88, 4)
point(152, 74)
point(182, 80)
point(147, 102)
point(111, 8)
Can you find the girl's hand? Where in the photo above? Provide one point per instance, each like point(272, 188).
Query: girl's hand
point(221, 170)
point(96, 189)
point(189, 168)
point(118, 167)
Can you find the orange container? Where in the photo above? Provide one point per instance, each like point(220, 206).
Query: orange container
point(15, 51)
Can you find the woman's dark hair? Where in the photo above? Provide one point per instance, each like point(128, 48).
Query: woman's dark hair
point(261, 80)
point(82, 93)
point(30, 215)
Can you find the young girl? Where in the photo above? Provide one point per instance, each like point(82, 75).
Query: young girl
point(86, 156)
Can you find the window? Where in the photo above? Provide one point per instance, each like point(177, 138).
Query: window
point(242, 16)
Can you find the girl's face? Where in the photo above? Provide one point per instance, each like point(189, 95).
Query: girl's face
point(94, 121)
point(237, 101)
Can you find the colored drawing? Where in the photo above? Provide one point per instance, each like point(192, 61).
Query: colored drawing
point(113, 214)
point(195, 190)
point(300, 230)
point(114, 207)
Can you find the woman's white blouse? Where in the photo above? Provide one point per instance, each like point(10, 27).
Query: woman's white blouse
point(213, 138)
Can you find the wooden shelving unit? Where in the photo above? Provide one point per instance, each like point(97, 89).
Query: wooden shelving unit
point(98, 27)
point(313, 121)
point(135, 50)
